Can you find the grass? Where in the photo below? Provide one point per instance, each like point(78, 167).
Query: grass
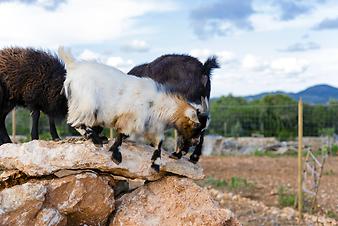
point(239, 183)
point(285, 197)
point(334, 150)
point(332, 214)
point(273, 154)
point(259, 153)
point(217, 183)
point(235, 183)
point(329, 173)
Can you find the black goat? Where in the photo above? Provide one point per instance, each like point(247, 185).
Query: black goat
point(188, 77)
point(33, 79)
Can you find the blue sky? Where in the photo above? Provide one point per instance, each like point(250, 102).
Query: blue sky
point(263, 45)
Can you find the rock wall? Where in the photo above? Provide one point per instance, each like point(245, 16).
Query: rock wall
point(219, 145)
point(75, 183)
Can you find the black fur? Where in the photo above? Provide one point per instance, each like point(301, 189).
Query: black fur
point(182, 74)
point(115, 148)
point(155, 156)
point(186, 76)
point(33, 79)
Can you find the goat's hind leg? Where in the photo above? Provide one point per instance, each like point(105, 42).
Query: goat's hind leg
point(35, 114)
point(52, 129)
point(4, 138)
point(89, 133)
point(98, 130)
point(117, 156)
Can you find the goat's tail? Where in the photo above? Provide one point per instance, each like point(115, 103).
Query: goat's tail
point(210, 64)
point(66, 56)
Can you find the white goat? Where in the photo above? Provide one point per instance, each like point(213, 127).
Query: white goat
point(100, 95)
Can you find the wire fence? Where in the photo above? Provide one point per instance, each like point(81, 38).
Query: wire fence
point(278, 121)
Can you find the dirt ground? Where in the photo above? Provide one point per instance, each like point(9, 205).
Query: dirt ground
point(267, 175)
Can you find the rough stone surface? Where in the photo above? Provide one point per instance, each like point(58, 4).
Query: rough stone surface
point(171, 201)
point(37, 158)
point(219, 145)
point(73, 182)
point(50, 217)
point(20, 204)
point(72, 200)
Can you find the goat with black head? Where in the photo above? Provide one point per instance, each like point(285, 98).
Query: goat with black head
point(188, 77)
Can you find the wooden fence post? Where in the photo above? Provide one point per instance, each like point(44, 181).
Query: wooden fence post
point(300, 154)
point(111, 133)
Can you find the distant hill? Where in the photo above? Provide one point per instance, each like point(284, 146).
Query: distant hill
point(319, 94)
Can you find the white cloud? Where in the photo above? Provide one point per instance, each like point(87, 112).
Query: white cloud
point(90, 55)
point(72, 22)
point(267, 17)
point(115, 61)
point(224, 57)
point(200, 53)
point(289, 66)
point(284, 66)
point(251, 62)
point(119, 62)
point(136, 46)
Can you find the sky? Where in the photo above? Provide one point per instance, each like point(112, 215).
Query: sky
point(262, 45)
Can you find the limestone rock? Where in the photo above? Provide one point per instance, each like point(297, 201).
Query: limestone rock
point(171, 201)
point(20, 204)
point(76, 183)
point(50, 217)
point(73, 200)
point(37, 158)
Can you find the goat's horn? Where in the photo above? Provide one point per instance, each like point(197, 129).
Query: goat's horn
point(205, 109)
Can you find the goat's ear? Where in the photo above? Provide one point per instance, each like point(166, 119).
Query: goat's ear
point(192, 115)
point(205, 79)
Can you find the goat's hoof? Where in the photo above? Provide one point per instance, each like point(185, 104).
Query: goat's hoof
point(156, 167)
point(176, 155)
point(97, 141)
point(104, 139)
point(97, 144)
point(117, 158)
point(56, 139)
point(194, 158)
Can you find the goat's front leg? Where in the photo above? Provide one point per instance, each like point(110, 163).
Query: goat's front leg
point(156, 158)
point(195, 156)
point(117, 156)
point(35, 125)
point(52, 129)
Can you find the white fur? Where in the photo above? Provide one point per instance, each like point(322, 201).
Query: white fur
point(92, 88)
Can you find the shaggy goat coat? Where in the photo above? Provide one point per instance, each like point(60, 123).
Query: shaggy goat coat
point(99, 95)
point(33, 79)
